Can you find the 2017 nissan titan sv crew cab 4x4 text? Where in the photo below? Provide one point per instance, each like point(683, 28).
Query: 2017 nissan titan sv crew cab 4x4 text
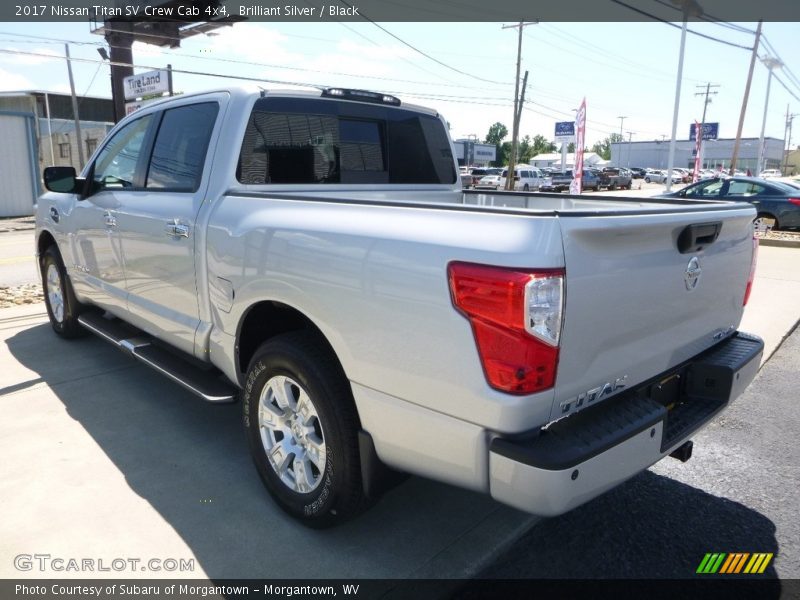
point(313, 254)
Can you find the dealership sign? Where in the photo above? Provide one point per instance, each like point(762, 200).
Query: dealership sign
point(146, 84)
point(710, 131)
point(565, 131)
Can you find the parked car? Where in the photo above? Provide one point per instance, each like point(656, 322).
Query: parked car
point(526, 178)
point(488, 182)
point(638, 172)
point(655, 176)
point(560, 182)
point(479, 172)
point(774, 200)
point(615, 177)
point(770, 173)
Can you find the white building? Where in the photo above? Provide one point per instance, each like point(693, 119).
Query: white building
point(590, 159)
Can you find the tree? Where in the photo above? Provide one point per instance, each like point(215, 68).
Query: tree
point(541, 145)
point(603, 148)
point(497, 133)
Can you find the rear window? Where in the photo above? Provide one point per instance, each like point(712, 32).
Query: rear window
point(305, 141)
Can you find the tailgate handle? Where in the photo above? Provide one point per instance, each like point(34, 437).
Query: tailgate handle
point(694, 237)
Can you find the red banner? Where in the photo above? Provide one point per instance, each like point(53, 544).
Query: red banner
point(580, 137)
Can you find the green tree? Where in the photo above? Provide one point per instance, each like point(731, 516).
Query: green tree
point(541, 145)
point(496, 135)
point(603, 148)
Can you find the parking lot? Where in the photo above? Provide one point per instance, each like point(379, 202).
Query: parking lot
point(105, 459)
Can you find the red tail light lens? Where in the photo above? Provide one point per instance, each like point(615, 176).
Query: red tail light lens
point(752, 276)
point(516, 318)
point(795, 201)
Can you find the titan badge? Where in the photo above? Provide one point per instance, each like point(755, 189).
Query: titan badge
point(593, 395)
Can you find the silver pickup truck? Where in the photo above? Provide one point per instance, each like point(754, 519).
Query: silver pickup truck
point(313, 254)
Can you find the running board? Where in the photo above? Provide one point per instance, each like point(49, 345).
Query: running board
point(208, 384)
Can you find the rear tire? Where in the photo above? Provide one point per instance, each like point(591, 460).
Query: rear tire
point(59, 298)
point(302, 427)
point(764, 216)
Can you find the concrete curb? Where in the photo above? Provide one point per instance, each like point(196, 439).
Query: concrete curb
point(779, 243)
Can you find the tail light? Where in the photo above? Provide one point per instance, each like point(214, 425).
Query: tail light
point(795, 201)
point(752, 276)
point(516, 318)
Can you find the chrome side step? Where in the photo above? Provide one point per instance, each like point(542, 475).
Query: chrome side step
point(206, 383)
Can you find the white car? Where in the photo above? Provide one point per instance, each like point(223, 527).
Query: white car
point(766, 174)
point(526, 178)
point(488, 182)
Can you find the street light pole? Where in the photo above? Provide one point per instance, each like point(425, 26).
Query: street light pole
point(770, 63)
point(687, 6)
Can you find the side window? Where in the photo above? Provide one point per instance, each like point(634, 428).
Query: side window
point(115, 166)
point(180, 147)
point(744, 188)
point(713, 189)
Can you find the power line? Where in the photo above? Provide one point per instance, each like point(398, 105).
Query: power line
point(273, 66)
point(418, 51)
point(697, 33)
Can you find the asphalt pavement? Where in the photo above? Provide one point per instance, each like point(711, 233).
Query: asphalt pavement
point(17, 262)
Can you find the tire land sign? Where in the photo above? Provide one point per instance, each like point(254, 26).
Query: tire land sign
point(146, 84)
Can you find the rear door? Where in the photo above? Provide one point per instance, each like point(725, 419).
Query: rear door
point(636, 306)
point(159, 226)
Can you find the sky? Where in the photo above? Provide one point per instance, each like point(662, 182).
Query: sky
point(621, 69)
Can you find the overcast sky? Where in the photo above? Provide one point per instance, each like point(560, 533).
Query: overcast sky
point(622, 69)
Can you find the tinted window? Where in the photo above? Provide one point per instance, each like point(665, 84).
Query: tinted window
point(115, 167)
point(711, 189)
point(180, 147)
point(744, 188)
point(342, 142)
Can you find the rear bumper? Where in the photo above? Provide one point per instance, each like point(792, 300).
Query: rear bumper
point(580, 457)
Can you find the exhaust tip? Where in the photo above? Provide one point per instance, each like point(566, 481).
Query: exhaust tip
point(683, 452)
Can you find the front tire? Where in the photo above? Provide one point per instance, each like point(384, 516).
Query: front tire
point(302, 428)
point(59, 299)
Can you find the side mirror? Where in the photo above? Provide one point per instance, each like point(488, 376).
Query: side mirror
point(62, 179)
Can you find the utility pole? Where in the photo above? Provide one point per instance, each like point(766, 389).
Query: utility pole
point(736, 144)
point(75, 114)
point(770, 63)
point(706, 102)
point(787, 139)
point(621, 121)
point(630, 141)
point(512, 161)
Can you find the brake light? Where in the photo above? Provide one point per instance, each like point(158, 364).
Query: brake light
point(752, 276)
point(795, 201)
point(516, 318)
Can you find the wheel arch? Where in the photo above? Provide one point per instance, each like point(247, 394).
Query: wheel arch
point(266, 319)
point(44, 241)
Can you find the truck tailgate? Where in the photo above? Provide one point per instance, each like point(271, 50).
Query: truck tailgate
point(636, 305)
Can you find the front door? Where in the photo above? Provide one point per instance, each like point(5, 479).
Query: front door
point(99, 272)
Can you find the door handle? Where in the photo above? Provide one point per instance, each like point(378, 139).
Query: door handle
point(109, 220)
point(175, 229)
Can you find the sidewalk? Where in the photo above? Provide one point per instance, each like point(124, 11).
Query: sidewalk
point(17, 223)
